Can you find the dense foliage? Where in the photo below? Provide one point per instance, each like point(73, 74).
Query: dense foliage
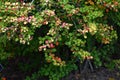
point(61, 30)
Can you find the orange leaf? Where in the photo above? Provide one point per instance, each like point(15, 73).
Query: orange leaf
point(3, 78)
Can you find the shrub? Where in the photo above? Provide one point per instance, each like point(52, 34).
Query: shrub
point(62, 30)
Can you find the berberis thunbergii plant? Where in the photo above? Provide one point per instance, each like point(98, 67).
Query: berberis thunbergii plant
point(62, 30)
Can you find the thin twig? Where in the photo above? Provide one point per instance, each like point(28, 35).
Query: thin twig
point(74, 23)
point(1, 67)
point(31, 2)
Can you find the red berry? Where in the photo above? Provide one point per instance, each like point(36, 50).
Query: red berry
point(107, 10)
point(51, 45)
point(46, 41)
